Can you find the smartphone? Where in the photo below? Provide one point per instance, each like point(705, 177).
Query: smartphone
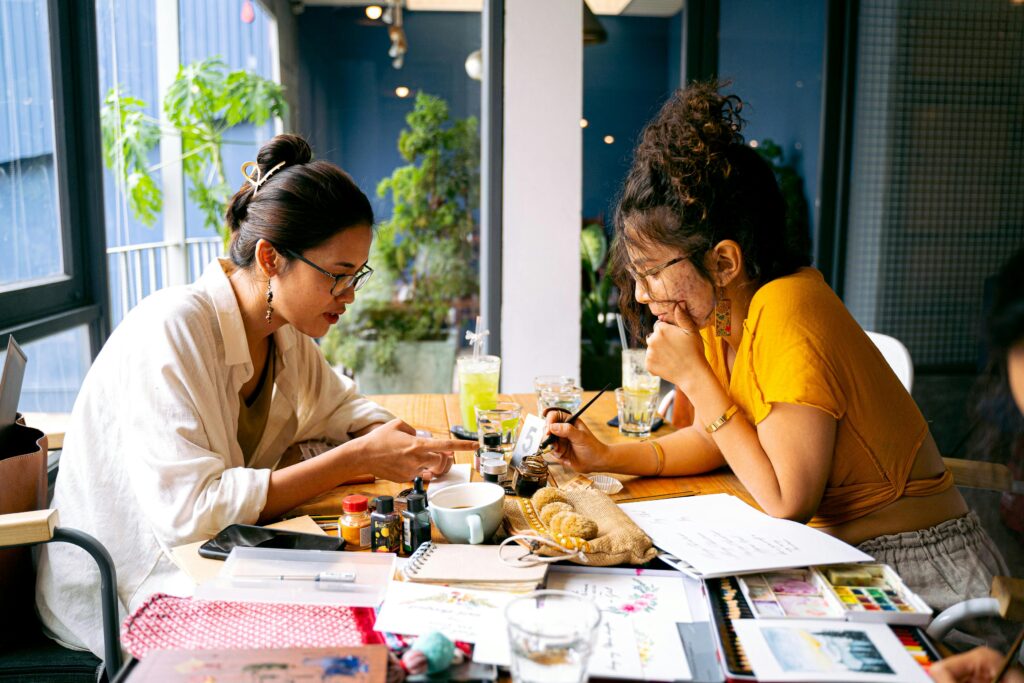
point(250, 536)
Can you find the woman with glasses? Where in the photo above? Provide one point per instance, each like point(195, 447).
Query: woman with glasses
point(787, 388)
point(182, 421)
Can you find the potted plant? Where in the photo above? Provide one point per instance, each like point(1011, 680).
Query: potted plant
point(600, 357)
point(202, 103)
point(400, 334)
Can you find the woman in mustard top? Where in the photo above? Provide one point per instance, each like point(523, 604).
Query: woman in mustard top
point(787, 388)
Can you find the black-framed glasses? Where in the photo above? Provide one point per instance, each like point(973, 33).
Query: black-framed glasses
point(341, 282)
point(651, 272)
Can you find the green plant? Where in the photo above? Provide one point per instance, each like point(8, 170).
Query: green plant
point(423, 254)
point(792, 187)
point(203, 102)
point(594, 298)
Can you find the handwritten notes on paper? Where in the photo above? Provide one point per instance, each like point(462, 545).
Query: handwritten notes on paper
point(461, 614)
point(718, 535)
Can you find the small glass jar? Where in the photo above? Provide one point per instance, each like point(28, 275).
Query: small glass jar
point(355, 523)
point(494, 470)
point(530, 476)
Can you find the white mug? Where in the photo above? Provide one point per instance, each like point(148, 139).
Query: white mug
point(468, 513)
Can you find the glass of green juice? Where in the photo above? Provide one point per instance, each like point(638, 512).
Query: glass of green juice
point(478, 386)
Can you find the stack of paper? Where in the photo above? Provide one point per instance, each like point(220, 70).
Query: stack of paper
point(473, 566)
point(719, 535)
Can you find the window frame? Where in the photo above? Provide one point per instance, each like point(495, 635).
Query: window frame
point(79, 295)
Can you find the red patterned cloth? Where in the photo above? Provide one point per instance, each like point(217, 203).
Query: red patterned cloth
point(164, 622)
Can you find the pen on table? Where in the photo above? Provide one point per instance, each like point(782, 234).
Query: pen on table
point(550, 438)
point(325, 577)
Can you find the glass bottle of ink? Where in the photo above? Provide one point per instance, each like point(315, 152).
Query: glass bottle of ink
point(415, 524)
point(491, 448)
point(385, 526)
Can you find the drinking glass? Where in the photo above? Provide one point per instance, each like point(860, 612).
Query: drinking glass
point(636, 411)
point(551, 635)
point(542, 383)
point(504, 420)
point(568, 398)
point(634, 372)
point(478, 386)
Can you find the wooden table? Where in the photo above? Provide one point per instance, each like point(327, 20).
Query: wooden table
point(438, 412)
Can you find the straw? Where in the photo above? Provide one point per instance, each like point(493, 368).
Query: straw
point(476, 338)
point(622, 331)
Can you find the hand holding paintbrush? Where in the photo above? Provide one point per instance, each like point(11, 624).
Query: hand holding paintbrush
point(575, 440)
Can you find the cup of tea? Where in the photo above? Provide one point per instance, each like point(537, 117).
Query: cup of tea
point(468, 513)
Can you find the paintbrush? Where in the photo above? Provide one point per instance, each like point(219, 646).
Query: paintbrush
point(1011, 657)
point(550, 438)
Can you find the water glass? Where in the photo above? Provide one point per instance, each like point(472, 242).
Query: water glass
point(637, 410)
point(567, 398)
point(634, 372)
point(551, 635)
point(478, 386)
point(542, 383)
point(504, 419)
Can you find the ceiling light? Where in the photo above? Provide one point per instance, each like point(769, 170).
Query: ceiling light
point(584, 123)
point(373, 12)
point(608, 139)
point(475, 65)
point(402, 91)
point(753, 143)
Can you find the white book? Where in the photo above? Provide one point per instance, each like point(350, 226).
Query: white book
point(720, 535)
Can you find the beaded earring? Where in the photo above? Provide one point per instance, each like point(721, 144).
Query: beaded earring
point(723, 318)
point(270, 304)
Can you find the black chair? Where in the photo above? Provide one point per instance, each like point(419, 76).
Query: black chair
point(26, 654)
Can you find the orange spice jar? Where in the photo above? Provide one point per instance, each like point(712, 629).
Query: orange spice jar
point(355, 523)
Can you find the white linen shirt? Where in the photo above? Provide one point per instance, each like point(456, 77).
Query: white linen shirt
point(151, 457)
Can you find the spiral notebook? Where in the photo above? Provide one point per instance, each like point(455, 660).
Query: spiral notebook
point(471, 566)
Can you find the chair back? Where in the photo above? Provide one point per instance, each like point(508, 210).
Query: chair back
point(23, 488)
point(897, 356)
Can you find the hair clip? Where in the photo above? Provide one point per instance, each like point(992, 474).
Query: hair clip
point(257, 179)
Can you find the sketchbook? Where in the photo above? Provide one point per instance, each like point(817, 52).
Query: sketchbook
point(470, 564)
point(720, 535)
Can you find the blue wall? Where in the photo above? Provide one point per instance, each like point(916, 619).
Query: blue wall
point(349, 111)
point(772, 51)
point(625, 82)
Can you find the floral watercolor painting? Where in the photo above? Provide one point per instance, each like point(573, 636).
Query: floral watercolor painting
point(643, 598)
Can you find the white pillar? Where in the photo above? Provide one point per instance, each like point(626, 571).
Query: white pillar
point(172, 175)
point(543, 178)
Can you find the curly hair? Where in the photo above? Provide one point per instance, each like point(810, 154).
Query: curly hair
point(694, 183)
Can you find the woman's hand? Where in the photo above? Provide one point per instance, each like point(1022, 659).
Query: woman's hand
point(979, 665)
point(675, 351)
point(576, 446)
point(394, 452)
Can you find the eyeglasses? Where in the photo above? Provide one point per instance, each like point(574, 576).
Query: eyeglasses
point(641, 278)
point(341, 282)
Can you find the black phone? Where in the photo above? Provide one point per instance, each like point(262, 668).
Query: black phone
point(655, 426)
point(250, 536)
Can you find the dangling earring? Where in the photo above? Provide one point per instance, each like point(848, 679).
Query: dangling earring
point(723, 318)
point(270, 303)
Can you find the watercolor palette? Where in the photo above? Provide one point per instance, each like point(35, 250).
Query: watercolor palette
point(874, 592)
point(866, 593)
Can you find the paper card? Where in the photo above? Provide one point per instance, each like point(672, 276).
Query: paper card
point(801, 650)
point(461, 614)
point(530, 437)
point(639, 612)
point(458, 474)
point(718, 535)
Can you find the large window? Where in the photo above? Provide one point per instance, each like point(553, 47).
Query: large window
point(51, 283)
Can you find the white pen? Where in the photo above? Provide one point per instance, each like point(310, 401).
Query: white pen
point(325, 577)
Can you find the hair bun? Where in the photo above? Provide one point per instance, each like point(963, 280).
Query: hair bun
point(291, 149)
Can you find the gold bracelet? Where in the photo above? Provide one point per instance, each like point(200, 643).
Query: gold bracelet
point(660, 453)
point(722, 419)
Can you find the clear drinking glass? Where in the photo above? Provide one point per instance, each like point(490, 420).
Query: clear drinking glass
point(551, 635)
point(637, 410)
point(542, 383)
point(568, 398)
point(634, 372)
point(478, 386)
point(503, 419)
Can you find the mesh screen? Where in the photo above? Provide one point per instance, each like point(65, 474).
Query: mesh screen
point(937, 169)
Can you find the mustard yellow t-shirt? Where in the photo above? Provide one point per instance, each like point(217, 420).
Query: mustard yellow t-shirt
point(800, 345)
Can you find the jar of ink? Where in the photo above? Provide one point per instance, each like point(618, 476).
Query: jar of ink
point(385, 526)
point(494, 470)
point(530, 476)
